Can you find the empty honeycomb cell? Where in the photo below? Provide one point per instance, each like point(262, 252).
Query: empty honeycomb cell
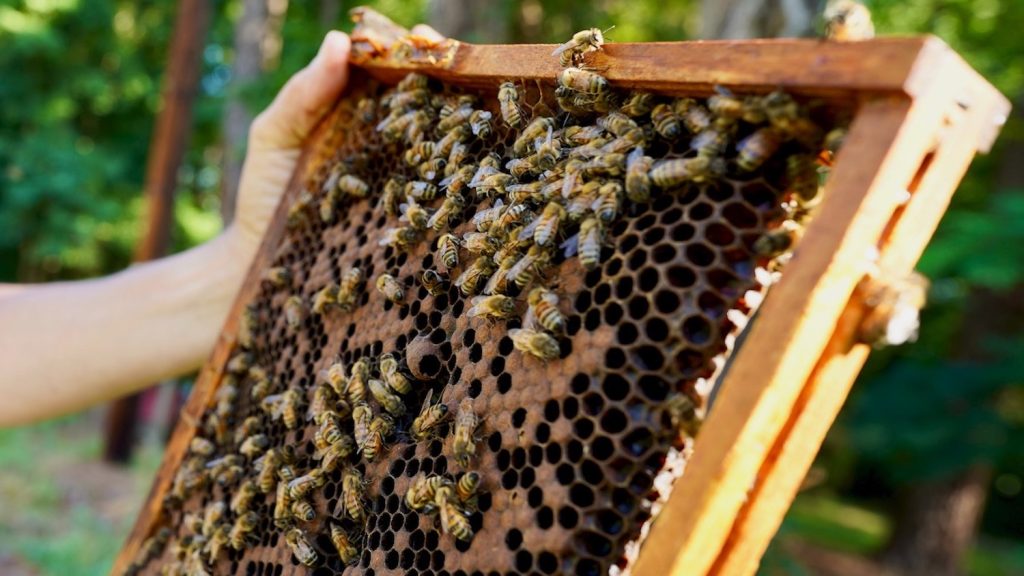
point(583, 428)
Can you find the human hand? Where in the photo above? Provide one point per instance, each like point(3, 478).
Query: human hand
point(278, 133)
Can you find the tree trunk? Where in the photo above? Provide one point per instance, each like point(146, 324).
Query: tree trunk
point(736, 19)
point(481, 22)
point(166, 150)
point(936, 523)
point(246, 67)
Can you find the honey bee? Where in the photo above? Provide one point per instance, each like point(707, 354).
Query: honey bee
point(453, 136)
point(303, 510)
point(348, 291)
point(453, 519)
point(475, 275)
point(247, 325)
point(524, 271)
point(284, 406)
point(638, 104)
point(666, 123)
point(617, 123)
point(352, 186)
point(335, 376)
point(414, 214)
point(366, 110)
point(353, 494)
point(497, 307)
point(243, 497)
point(833, 142)
point(450, 209)
point(755, 149)
point(362, 417)
point(254, 445)
point(325, 298)
point(246, 428)
point(638, 183)
point(492, 184)
point(448, 250)
point(711, 143)
point(301, 548)
point(421, 492)
point(392, 196)
point(212, 515)
point(463, 438)
point(457, 119)
point(480, 124)
point(343, 544)
point(508, 98)
point(266, 467)
point(671, 173)
point(226, 470)
point(282, 506)
point(429, 418)
point(694, 115)
point(294, 311)
point(606, 164)
point(356, 390)
point(786, 116)
point(582, 42)
point(847, 20)
point(435, 284)
point(390, 401)
point(390, 288)
point(544, 307)
point(609, 201)
point(431, 169)
point(457, 183)
point(226, 395)
point(381, 427)
point(480, 243)
point(802, 178)
point(467, 486)
point(457, 159)
point(303, 485)
point(683, 413)
point(217, 540)
point(278, 276)
point(538, 344)
point(240, 530)
point(239, 363)
point(582, 81)
point(190, 477)
point(778, 241)
point(415, 98)
point(419, 152)
point(298, 212)
point(330, 456)
point(324, 401)
point(547, 224)
point(201, 446)
point(394, 378)
point(485, 217)
point(498, 282)
point(581, 201)
point(538, 128)
point(329, 431)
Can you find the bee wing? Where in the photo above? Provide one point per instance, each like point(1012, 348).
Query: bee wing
point(723, 91)
point(568, 45)
point(571, 246)
point(530, 321)
point(482, 174)
point(568, 183)
point(635, 156)
point(478, 308)
point(527, 231)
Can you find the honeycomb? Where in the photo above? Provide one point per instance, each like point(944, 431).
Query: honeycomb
point(574, 453)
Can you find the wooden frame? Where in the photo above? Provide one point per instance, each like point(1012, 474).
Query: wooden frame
point(922, 114)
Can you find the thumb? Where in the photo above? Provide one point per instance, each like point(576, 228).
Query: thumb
point(305, 97)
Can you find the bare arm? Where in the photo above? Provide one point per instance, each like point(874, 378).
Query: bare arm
point(66, 345)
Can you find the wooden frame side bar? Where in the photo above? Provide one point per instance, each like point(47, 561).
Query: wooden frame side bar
point(768, 423)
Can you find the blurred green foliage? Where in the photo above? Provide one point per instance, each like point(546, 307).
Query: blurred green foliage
point(81, 85)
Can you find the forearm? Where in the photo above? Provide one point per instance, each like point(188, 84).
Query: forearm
point(67, 345)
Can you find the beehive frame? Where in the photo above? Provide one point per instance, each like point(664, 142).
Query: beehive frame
point(922, 114)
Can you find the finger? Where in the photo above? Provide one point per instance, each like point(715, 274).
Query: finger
point(305, 97)
point(427, 32)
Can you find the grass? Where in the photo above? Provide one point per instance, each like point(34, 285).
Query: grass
point(61, 512)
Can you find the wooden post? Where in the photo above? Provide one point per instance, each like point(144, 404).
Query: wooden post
point(167, 148)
